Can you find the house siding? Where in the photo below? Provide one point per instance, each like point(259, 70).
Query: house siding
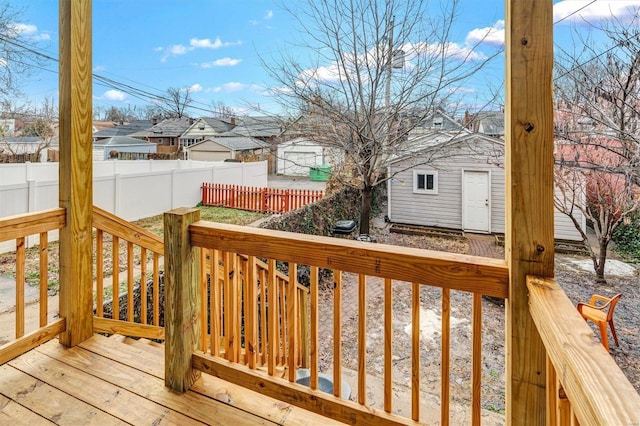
point(444, 209)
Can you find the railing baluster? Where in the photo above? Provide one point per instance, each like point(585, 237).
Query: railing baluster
point(362, 339)
point(337, 333)
point(99, 273)
point(445, 357)
point(292, 320)
point(20, 280)
point(476, 359)
point(251, 318)
point(272, 320)
point(156, 289)
point(203, 299)
point(415, 352)
point(215, 311)
point(263, 316)
point(237, 301)
point(230, 304)
point(243, 309)
point(129, 281)
point(44, 278)
point(282, 326)
point(115, 278)
point(314, 327)
point(143, 285)
point(388, 336)
point(305, 342)
point(552, 394)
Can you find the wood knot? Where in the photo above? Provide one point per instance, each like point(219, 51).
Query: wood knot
point(524, 41)
point(539, 248)
point(528, 127)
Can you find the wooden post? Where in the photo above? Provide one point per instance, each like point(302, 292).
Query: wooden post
point(529, 197)
point(182, 299)
point(75, 171)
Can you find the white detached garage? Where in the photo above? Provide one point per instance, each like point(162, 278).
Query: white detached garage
point(297, 156)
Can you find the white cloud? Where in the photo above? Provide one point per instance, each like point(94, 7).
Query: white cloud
point(253, 22)
point(624, 10)
point(114, 95)
point(269, 14)
point(206, 43)
point(493, 35)
point(195, 88)
point(99, 68)
point(230, 87)
point(448, 50)
point(158, 49)
point(223, 62)
point(30, 31)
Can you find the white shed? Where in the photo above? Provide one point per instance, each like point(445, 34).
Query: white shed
point(457, 184)
point(296, 156)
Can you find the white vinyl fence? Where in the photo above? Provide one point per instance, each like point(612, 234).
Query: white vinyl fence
point(130, 189)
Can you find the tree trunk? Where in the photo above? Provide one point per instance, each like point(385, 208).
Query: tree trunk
point(365, 209)
point(602, 259)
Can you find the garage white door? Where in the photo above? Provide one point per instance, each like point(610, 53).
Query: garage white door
point(297, 163)
point(209, 155)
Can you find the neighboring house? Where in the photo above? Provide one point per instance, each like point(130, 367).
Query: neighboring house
point(438, 121)
point(19, 145)
point(490, 123)
point(457, 184)
point(228, 147)
point(7, 127)
point(297, 156)
point(102, 149)
point(265, 128)
point(126, 129)
point(165, 133)
point(205, 127)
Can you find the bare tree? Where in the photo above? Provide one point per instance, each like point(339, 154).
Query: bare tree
point(351, 98)
point(177, 101)
point(17, 54)
point(41, 126)
point(597, 117)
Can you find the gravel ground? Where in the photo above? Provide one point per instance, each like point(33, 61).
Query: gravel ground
point(579, 286)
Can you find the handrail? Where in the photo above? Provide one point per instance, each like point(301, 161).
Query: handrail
point(22, 225)
point(447, 270)
point(119, 227)
point(597, 390)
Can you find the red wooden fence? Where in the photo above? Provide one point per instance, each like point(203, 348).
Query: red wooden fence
point(264, 200)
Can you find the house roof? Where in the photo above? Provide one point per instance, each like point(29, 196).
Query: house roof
point(121, 141)
point(258, 127)
point(489, 122)
point(124, 129)
point(235, 143)
point(437, 143)
point(170, 127)
point(438, 121)
point(22, 139)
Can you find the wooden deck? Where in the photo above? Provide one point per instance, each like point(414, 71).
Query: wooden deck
point(117, 380)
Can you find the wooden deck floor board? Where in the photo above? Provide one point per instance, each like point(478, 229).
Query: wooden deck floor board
point(116, 381)
point(145, 385)
point(112, 399)
point(49, 402)
point(12, 413)
point(142, 355)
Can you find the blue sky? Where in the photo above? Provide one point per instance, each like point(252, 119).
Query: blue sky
point(214, 46)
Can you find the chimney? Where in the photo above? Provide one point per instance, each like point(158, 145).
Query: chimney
point(191, 121)
point(233, 122)
point(154, 121)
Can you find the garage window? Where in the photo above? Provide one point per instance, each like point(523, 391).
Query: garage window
point(425, 182)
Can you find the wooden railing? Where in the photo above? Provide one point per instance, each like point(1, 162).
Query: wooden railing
point(396, 266)
point(584, 384)
point(240, 281)
point(263, 200)
point(142, 252)
point(18, 228)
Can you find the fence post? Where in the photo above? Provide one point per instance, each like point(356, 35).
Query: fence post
point(287, 200)
point(182, 299)
point(263, 200)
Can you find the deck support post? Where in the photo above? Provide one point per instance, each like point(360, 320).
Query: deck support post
point(181, 299)
point(529, 243)
point(75, 171)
